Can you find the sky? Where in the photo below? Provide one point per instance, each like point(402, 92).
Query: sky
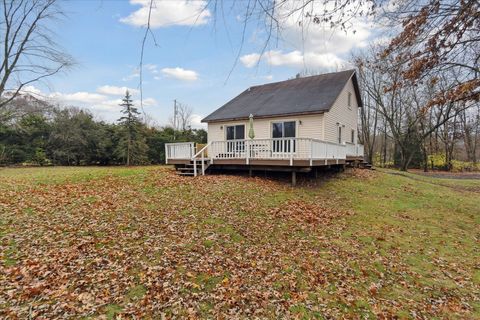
point(199, 58)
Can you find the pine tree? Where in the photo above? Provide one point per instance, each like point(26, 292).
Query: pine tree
point(136, 147)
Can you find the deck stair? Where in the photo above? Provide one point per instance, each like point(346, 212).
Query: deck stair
point(189, 168)
point(361, 164)
point(365, 165)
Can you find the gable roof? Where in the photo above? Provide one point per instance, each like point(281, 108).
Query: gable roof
point(308, 95)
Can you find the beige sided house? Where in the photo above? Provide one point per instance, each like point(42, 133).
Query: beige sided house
point(293, 125)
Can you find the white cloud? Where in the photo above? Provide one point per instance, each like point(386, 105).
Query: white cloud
point(180, 73)
point(148, 102)
point(98, 104)
point(278, 58)
point(169, 13)
point(296, 59)
point(322, 37)
point(153, 68)
point(76, 98)
point(250, 60)
point(312, 45)
point(115, 91)
point(81, 97)
point(324, 60)
point(135, 74)
point(110, 106)
point(197, 122)
point(33, 91)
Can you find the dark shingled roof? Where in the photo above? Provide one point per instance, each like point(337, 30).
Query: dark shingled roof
point(309, 95)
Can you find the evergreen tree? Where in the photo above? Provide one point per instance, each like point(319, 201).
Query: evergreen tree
point(133, 146)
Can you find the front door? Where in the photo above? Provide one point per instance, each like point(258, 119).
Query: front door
point(286, 129)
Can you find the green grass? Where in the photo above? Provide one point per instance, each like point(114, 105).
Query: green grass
point(148, 244)
point(61, 175)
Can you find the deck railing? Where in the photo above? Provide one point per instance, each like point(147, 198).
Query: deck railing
point(271, 149)
point(179, 150)
point(354, 150)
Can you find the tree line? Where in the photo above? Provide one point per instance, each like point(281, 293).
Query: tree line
point(400, 127)
point(421, 88)
point(35, 132)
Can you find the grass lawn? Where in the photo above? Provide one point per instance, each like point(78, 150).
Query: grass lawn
point(142, 242)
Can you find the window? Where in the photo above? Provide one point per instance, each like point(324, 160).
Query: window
point(349, 99)
point(339, 134)
point(353, 136)
point(283, 129)
point(236, 132)
point(286, 129)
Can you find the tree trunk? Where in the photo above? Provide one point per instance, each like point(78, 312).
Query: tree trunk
point(425, 159)
point(128, 150)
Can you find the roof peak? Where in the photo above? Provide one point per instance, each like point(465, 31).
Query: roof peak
point(302, 78)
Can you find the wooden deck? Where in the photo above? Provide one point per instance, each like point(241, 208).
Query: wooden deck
point(268, 162)
point(285, 154)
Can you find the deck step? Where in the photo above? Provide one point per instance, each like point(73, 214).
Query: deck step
point(366, 165)
point(185, 173)
point(188, 169)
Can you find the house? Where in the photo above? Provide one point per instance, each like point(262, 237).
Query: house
point(293, 125)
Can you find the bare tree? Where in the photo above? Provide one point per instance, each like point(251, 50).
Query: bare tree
point(183, 118)
point(439, 36)
point(184, 113)
point(406, 110)
point(30, 53)
point(470, 121)
point(369, 115)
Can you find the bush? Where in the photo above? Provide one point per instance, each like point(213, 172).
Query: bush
point(439, 162)
point(39, 157)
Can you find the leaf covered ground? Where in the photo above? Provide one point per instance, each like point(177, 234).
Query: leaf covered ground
point(145, 243)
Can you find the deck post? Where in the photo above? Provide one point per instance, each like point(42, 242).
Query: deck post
point(311, 152)
point(291, 152)
point(194, 167)
point(166, 154)
point(247, 152)
point(326, 154)
point(294, 178)
point(203, 164)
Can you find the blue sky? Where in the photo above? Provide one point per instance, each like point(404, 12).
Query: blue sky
point(192, 61)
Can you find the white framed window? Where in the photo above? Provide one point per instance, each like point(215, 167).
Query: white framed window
point(340, 134)
point(283, 129)
point(236, 132)
point(353, 136)
point(349, 100)
point(235, 135)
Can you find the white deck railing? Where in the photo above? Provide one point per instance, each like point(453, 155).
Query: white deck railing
point(268, 149)
point(179, 150)
point(354, 150)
